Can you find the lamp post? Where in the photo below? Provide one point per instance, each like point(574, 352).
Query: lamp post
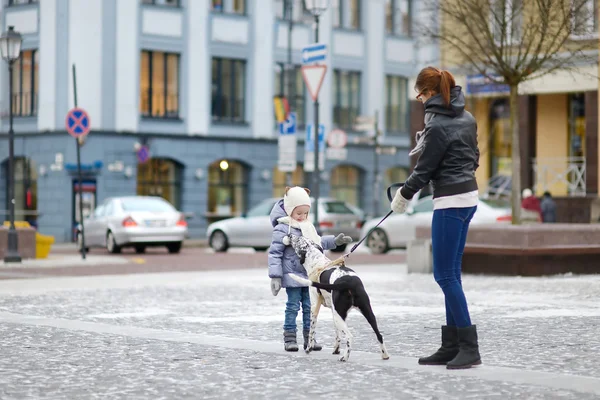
point(316, 8)
point(10, 49)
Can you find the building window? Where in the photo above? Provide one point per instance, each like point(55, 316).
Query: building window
point(500, 138)
point(167, 3)
point(346, 98)
point(577, 125)
point(299, 12)
point(295, 93)
point(346, 14)
point(585, 19)
point(25, 174)
point(17, 2)
point(506, 18)
point(25, 84)
point(159, 84)
point(345, 184)
point(228, 89)
point(398, 17)
point(229, 6)
point(279, 180)
point(227, 182)
point(396, 108)
point(160, 177)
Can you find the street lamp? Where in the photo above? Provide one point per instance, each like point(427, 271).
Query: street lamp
point(316, 8)
point(10, 49)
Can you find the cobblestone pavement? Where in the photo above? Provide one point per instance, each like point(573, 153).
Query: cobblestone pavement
point(217, 334)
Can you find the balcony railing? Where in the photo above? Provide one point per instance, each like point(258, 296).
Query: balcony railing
point(550, 172)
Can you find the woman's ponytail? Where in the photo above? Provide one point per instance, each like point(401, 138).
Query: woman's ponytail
point(446, 83)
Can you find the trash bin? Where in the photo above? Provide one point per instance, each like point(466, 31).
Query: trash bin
point(43, 243)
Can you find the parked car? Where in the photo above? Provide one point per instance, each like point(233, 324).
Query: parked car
point(399, 229)
point(254, 229)
point(134, 221)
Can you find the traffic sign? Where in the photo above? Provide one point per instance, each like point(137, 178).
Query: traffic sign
point(287, 144)
point(337, 154)
point(77, 122)
point(313, 77)
point(309, 148)
point(143, 154)
point(337, 139)
point(313, 53)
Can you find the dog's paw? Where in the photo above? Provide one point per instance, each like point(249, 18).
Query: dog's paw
point(345, 357)
point(336, 350)
point(309, 350)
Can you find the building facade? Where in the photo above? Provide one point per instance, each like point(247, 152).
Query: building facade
point(193, 82)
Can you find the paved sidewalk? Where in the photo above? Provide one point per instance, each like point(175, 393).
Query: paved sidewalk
point(217, 335)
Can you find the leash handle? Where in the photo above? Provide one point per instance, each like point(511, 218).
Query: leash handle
point(390, 197)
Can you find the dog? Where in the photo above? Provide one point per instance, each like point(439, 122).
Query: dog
point(337, 287)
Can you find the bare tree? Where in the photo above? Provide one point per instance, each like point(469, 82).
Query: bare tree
point(511, 42)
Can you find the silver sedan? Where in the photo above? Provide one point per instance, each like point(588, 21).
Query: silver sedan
point(254, 229)
point(134, 221)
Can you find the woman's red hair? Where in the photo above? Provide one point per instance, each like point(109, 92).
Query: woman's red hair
point(435, 80)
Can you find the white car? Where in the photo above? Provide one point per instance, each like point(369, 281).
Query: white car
point(399, 229)
point(254, 229)
point(134, 221)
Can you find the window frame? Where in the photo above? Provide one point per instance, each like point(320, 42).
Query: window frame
point(153, 3)
point(394, 28)
point(341, 12)
point(297, 18)
point(17, 92)
point(232, 95)
point(406, 120)
point(165, 65)
point(223, 7)
point(346, 125)
point(292, 100)
point(591, 23)
point(12, 3)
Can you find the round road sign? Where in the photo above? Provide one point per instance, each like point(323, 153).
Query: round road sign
point(337, 139)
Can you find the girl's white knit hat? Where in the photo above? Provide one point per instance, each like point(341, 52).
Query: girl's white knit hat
point(294, 197)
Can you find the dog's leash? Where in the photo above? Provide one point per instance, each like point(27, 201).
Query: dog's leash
point(390, 197)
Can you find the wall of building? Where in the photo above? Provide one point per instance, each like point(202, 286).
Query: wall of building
point(552, 143)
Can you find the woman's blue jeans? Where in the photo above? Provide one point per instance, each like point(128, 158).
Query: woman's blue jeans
point(297, 296)
point(448, 236)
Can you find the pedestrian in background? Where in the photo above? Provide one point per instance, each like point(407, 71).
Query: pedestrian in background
point(548, 206)
point(290, 216)
point(448, 157)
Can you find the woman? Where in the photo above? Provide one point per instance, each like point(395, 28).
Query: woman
point(448, 158)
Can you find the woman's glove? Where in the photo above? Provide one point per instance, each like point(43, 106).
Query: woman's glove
point(342, 239)
point(275, 285)
point(399, 204)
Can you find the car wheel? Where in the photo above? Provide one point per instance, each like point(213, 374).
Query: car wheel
point(140, 249)
point(174, 247)
point(80, 242)
point(218, 241)
point(377, 242)
point(259, 249)
point(111, 244)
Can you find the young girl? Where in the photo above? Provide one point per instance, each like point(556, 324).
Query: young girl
point(290, 215)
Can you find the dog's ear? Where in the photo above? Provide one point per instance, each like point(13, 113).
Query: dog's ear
point(307, 190)
point(287, 188)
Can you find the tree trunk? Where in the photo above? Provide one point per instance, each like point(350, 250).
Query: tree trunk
point(515, 156)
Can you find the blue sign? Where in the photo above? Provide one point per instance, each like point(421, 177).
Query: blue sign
point(143, 154)
point(77, 122)
point(481, 84)
point(313, 53)
point(309, 144)
point(289, 126)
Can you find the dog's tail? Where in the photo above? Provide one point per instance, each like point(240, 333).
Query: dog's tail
point(319, 285)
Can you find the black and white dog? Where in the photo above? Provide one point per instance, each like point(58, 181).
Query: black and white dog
point(337, 287)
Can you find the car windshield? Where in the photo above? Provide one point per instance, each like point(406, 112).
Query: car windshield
point(337, 207)
point(146, 204)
